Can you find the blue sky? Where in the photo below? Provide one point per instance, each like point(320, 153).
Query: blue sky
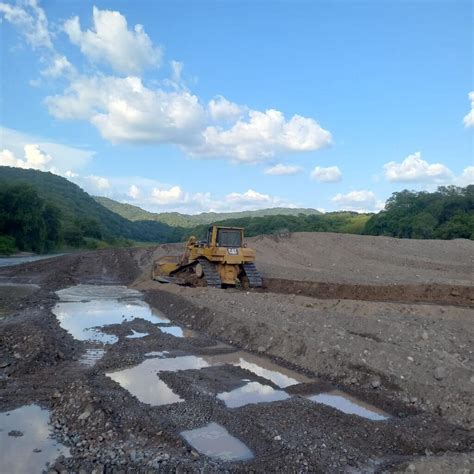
point(210, 105)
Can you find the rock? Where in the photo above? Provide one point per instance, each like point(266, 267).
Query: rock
point(410, 358)
point(4, 364)
point(277, 438)
point(439, 373)
point(411, 468)
point(84, 415)
point(15, 433)
point(424, 335)
point(375, 382)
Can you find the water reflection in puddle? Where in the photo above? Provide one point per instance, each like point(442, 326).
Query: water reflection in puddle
point(143, 382)
point(214, 440)
point(262, 367)
point(157, 354)
point(177, 331)
point(350, 405)
point(30, 452)
point(252, 392)
point(91, 357)
point(136, 335)
point(11, 261)
point(84, 308)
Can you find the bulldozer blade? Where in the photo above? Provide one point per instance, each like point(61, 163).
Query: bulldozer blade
point(168, 279)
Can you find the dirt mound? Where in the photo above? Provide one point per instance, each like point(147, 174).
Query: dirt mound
point(345, 258)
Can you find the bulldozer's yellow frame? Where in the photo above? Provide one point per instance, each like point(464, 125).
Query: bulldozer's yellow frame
point(215, 260)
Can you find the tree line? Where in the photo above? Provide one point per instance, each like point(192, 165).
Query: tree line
point(29, 222)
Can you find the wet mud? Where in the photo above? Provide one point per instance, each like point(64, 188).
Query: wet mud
point(144, 381)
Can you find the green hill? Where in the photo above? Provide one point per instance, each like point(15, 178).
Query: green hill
point(135, 213)
point(80, 213)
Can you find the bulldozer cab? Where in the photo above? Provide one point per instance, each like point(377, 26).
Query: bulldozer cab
point(225, 237)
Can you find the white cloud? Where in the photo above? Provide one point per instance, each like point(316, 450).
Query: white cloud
point(469, 118)
point(110, 41)
point(222, 109)
point(359, 201)
point(168, 196)
point(466, 178)
point(64, 157)
point(59, 65)
point(134, 192)
point(30, 20)
point(283, 170)
point(262, 136)
point(176, 73)
point(99, 182)
point(414, 168)
point(330, 174)
point(124, 110)
point(34, 158)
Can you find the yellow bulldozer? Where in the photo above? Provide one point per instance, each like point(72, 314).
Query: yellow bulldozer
point(222, 260)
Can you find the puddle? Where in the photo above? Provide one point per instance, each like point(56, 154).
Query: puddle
point(252, 392)
point(80, 293)
point(11, 261)
point(157, 354)
point(350, 405)
point(84, 308)
point(177, 331)
point(31, 452)
point(91, 357)
point(262, 367)
point(143, 382)
point(136, 334)
point(214, 440)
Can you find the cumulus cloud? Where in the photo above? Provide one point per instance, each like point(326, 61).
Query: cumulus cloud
point(222, 109)
point(283, 170)
point(64, 157)
point(358, 201)
point(466, 178)
point(413, 168)
point(125, 110)
point(134, 192)
point(112, 42)
point(58, 66)
point(261, 136)
point(469, 118)
point(99, 182)
point(168, 196)
point(30, 20)
point(331, 174)
point(34, 158)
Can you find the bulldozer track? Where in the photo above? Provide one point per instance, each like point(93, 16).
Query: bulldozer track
point(255, 279)
point(210, 273)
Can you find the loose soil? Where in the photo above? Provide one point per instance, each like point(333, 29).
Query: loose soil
point(393, 327)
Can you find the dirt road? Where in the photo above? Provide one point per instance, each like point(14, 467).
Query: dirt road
point(401, 354)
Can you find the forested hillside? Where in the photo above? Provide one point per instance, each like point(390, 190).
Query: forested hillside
point(177, 219)
point(82, 219)
point(41, 212)
point(447, 213)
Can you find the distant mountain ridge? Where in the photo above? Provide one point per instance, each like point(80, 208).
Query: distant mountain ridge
point(176, 219)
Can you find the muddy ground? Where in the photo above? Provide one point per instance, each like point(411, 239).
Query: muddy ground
point(394, 328)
